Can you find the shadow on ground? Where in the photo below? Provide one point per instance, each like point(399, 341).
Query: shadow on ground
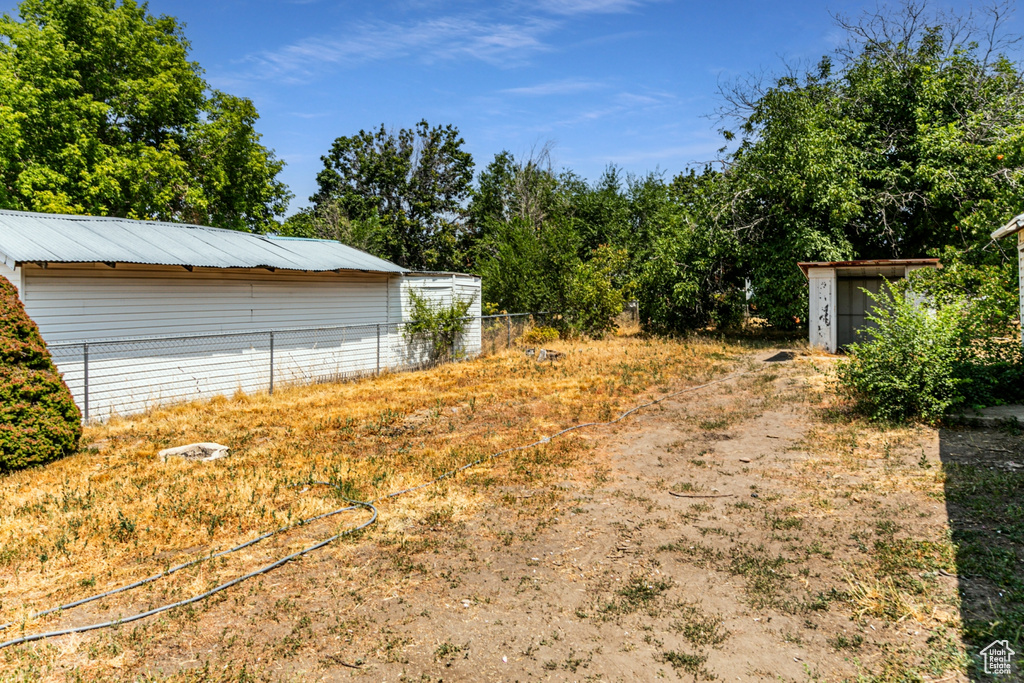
point(984, 487)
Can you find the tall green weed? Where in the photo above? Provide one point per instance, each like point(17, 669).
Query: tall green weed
point(927, 359)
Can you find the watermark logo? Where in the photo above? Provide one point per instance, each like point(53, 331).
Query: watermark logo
point(997, 658)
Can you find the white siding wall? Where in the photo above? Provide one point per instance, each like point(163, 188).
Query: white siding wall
point(442, 289)
point(98, 302)
point(13, 275)
point(208, 329)
point(821, 321)
point(469, 287)
point(213, 316)
point(1020, 268)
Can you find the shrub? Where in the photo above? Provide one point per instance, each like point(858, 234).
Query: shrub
point(922, 362)
point(539, 335)
point(39, 421)
point(593, 295)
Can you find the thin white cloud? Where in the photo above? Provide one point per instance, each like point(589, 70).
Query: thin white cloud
point(622, 103)
point(584, 116)
point(503, 36)
point(311, 115)
point(629, 98)
point(444, 38)
point(562, 87)
point(572, 7)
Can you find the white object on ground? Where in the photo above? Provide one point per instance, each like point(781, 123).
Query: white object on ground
point(203, 452)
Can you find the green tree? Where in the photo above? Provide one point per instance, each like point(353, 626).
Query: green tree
point(908, 142)
point(685, 258)
point(507, 190)
point(527, 268)
point(103, 113)
point(328, 222)
point(600, 210)
point(414, 183)
point(594, 291)
point(537, 242)
point(515, 269)
point(234, 172)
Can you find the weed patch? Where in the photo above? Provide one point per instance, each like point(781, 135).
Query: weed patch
point(639, 592)
point(691, 664)
point(699, 628)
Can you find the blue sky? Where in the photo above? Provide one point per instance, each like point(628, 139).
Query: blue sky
point(628, 82)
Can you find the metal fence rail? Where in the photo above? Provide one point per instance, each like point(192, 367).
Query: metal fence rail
point(121, 376)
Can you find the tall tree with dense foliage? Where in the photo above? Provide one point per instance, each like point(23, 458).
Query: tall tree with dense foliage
point(910, 141)
point(685, 256)
point(543, 242)
point(510, 190)
point(103, 113)
point(400, 194)
point(525, 247)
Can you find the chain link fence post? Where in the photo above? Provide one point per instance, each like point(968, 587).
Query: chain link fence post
point(85, 376)
point(271, 363)
point(137, 372)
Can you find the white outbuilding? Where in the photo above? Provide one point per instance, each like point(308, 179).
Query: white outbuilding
point(1015, 227)
point(141, 312)
point(838, 303)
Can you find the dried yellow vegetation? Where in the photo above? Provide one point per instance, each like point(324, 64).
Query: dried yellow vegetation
point(115, 513)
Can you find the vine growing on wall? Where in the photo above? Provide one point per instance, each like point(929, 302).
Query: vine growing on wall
point(437, 325)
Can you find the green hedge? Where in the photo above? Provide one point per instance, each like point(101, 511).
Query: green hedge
point(39, 420)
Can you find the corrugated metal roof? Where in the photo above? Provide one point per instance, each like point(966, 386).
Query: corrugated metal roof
point(440, 273)
point(36, 237)
point(865, 263)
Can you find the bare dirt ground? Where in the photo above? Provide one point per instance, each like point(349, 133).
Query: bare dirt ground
point(747, 531)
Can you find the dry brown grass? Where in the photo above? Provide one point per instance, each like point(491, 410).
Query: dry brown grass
point(114, 512)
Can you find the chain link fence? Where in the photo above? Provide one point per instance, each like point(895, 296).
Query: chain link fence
point(122, 376)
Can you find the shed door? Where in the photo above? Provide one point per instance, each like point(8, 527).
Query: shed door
point(852, 305)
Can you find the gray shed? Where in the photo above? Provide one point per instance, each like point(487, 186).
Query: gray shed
point(138, 313)
point(1015, 227)
point(838, 302)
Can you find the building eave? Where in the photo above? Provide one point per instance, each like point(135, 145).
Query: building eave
point(807, 266)
point(1014, 226)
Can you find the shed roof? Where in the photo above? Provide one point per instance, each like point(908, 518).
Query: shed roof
point(1015, 225)
point(439, 273)
point(869, 264)
point(37, 237)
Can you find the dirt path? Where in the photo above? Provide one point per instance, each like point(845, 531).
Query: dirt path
point(760, 567)
point(624, 581)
